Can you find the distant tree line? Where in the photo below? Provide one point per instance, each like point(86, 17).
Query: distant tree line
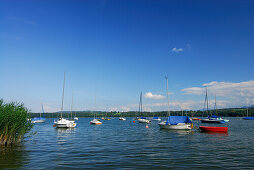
point(231, 112)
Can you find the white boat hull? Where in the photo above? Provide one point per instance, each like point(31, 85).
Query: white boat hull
point(179, 126)
point(64, 123)
point(144, 121)
point(122, 118)
point(95, 122)
point(38, 121)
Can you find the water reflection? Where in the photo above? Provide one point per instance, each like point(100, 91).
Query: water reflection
point(12, 157)
point(216, 133)
point(180, 132)
point(65, 130)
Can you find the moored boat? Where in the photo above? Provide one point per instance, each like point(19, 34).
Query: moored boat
point(122, 118)
point(248, 118)
point(144, 120)
point(177, 123)
point(156, 118)
point(61, 122)
point(213, 129)
point(95, 122)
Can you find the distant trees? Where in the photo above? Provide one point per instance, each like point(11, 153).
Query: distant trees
point(233, 112)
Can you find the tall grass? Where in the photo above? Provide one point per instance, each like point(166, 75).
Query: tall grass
point(14, 122)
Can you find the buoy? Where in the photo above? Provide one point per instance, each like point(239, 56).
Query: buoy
point(147, 126)
point(133, 121)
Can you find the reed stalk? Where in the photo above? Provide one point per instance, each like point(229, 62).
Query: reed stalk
point(14, 123)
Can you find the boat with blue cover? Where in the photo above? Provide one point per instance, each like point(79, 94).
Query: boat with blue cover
point(247, 117)
point(177, 123)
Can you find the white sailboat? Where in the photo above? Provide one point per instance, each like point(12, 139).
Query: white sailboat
point(213, 118)
point(95, 121)
point(62, 122)
point(142, 119)
point(175, 122)
point(39, 119)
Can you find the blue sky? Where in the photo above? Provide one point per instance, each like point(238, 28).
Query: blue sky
point(112, 50)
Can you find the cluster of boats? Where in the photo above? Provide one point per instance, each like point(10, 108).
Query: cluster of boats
point(172, 122)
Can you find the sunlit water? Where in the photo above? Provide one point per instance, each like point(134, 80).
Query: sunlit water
point(123, 144)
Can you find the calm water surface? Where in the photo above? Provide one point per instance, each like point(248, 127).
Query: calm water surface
point(123, 144)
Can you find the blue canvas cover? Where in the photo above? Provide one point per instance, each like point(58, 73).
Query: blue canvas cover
point(143, 118)
point(174, 120)
point(155, 117)
point(213, 116)
point(248, 118)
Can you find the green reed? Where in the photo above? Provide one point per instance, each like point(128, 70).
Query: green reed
point(14, 123)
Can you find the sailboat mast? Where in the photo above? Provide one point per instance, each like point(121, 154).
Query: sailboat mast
point(215, 106)
point(63, 97)
point(207, 102)
point(167, 96)
point(71, 104)
point(42, 109)
point(141, 102)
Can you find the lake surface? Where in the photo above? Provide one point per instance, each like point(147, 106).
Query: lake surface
point(126, 145)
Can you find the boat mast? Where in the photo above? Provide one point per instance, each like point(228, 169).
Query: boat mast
point(166, 77)
point(71, 104)
point(140, 104)
point(206, 96)
point(42, 109)
point(247, 111)
point(215, 106)
point(63, 97)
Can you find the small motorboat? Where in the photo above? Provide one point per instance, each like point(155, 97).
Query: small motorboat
point(122, 118)
point(213, 129)
point(75, 118)
point(95, 122)
point(144, 120)
point(156, 118)
point(214, 119)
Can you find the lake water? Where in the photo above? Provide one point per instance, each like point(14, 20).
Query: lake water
point(126, 145)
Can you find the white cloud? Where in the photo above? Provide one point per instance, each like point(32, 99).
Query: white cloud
point(150, 95)
point(176, 50)
point(237, 94)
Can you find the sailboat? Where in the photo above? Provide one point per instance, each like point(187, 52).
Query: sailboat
point(212, 118)
point(175, 122)
point(142, 119)
point(247, 117)
point(95, 121)
point(39, 119)
point(62, 122)
point(75, 117)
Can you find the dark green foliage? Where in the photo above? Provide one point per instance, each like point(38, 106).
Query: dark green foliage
point(14, 122)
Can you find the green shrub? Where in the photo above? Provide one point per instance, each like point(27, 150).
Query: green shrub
point(14, 123)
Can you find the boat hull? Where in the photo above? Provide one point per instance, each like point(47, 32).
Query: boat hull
point(38, 121)
point(213, 129)
point(179, 126)
point(212, 121)
point(122, 118)
point(95, 122)
point(64, 123)
point(144, 121)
